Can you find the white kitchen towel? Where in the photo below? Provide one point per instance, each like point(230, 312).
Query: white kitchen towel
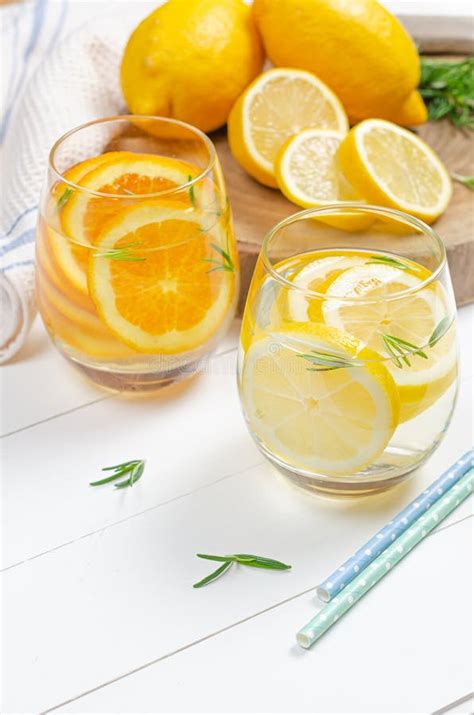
point(51, 84)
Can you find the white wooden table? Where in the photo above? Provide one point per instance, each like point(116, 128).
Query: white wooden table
point(98, 610)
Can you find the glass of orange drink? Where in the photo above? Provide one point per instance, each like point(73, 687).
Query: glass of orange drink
point(348, 360)
point(137, 267)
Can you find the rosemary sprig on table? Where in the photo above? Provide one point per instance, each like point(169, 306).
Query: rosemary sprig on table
point(467, 181)
point(134, 469)
point(226, 264)
point(322, 361)
point(259, 562)
point(388, 261)
point(448, 89)
point(123, 253)
point(64, 198)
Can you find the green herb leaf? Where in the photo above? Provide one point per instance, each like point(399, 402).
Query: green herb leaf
point(260, 562)
point(134, 468)
point(123, 253)
point(467, 181)
point(226, 264)
point(192, 195)
point(322, 361)
point(64, 198)
point(212, 576)
point(387, 260)
point(398, 350)
point(439, 331)
point(448, 89)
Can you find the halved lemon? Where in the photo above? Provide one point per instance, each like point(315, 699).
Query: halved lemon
point(330, 421)
point(411, 318)
point(162, 295)
point(391, 166)
point(277, 105)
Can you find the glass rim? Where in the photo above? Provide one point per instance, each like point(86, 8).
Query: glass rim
point(348, 207)
point(129, 118)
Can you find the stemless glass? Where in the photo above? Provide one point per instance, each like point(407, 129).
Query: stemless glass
point(137, 267)
point(348, 357)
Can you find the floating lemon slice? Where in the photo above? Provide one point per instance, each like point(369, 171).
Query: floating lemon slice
point(277, 105)
point(391, 166)
point(150, 277)
point(411, 318)
point(334, 421)
point(316, 276)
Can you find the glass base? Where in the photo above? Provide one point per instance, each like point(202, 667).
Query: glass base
point(389, 471)
point(129, 381)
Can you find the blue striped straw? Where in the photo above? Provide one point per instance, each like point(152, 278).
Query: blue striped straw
point(399, 524)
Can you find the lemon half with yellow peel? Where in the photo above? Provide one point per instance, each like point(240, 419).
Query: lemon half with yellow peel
point(391, 166)
point(277, 105)
point(332, 422)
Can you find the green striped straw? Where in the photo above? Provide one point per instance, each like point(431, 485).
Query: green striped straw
point(367, 578)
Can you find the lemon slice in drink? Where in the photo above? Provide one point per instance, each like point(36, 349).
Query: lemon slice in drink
point(331, 421)
point(411, 318)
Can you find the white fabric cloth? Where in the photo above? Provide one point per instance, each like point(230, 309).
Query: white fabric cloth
point(49, 85)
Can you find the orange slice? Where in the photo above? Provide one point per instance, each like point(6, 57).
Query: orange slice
point(71, 257)
point(128, 175)
point(169, 300)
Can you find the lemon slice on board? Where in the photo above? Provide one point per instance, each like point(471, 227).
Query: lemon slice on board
point(162, 297)
point(277, 105)
point(412, 318)
point(391, 166)
point(333, 422)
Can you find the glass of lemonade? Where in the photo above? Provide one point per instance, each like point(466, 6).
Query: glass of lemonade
point(348, 358)
point(137, 267)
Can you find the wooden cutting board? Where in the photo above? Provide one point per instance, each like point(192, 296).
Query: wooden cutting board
point(256, 208)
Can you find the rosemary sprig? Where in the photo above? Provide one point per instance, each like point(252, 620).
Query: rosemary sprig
point(260, 562)
point(397, 349)
point(134, 468)
point(467, 181)
point(439, 331)
point(387, 260)
point(123, 253)
point(192, 195)
point(322, 361)
point(448, 88)
point(64, 198)
point(226, 264)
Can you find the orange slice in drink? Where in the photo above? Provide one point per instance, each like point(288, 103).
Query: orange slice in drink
point(71, 257)
point(123, 177)
point(151, 280)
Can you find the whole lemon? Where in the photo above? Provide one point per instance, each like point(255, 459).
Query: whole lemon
point(191, 60)
point(356, 47)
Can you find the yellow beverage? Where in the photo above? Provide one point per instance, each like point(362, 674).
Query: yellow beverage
point(137, 269)
point(348, 359)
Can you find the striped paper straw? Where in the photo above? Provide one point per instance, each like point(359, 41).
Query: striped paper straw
point(329, 614)
point(400, 523)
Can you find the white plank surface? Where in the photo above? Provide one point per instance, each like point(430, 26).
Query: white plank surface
point(403, 649)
